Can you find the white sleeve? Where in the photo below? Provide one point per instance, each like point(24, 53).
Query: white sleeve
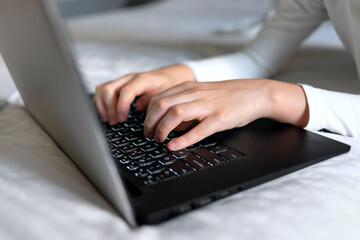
point(334, 111)
point(294, 20)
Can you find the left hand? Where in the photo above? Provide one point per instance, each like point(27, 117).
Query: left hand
point(219, 106)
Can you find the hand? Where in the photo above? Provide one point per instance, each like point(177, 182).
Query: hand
point(220, 106)
point(113, 99)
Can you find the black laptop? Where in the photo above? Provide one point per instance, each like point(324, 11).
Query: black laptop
point(144, 181)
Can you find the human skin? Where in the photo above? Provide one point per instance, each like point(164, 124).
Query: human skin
point(174, 99)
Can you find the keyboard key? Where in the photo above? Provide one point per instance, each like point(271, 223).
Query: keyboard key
point(140, 142)
point(218, 148)
point(232, 154)
point(150, 180)
point(209, 156)
point(114, 137)
point(124, 132)
point(124, 160)
point(131, 137)
point(117, 128)
point(166, 175)
point(157, 153)
point(112, 147)
point(193, 147)
point(118, 154)
point(149, 147)
point(141, 172)
point(132, 166)
point(156, 168)
point(130, 124)
point(108, 132)
point(121, 143)
point(129, 148)
point(207, 142)
point(196, 162)
point(181, 153)
point(167, 159)
point(137, 154)
point(146, 161)
point(173, 135)
point(137, 129)
point(180, 168)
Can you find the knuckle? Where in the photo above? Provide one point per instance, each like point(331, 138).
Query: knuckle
point(107, 89)
point(222, 116)
point(200, 131)
point(178, 111)
point(127, 90)
point(162, 104)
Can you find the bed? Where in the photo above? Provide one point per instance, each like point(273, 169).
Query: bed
point(43, 194)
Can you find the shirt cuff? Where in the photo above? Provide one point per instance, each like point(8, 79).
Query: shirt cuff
point(335, 111)
point(314, 111)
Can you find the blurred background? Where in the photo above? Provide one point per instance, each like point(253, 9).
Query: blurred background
point(111, 38)
point(77, 7)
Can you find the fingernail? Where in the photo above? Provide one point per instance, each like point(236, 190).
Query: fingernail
point(140, 100)
point(112, 121)
point(146, 134)
point(121, 117)
point(157, 139)
point(172, 146)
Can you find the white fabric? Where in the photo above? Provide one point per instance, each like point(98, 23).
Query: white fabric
point(203, 23)
point(44, 196)
point(342, 113)
point(294, 20)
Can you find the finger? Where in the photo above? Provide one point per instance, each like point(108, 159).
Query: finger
point(161, 107)
point(143, 102)
point(204, 129)
point(110, 95)
point(184, 125)
point(100, 105)
point(171, 91)
point(176, 115)
point(129, 92)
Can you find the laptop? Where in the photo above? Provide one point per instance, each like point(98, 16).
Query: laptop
point(143, 180)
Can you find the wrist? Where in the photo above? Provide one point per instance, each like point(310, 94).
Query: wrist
point(287, 103)
point(178, 73)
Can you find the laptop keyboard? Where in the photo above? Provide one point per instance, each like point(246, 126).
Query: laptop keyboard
point(152, 162)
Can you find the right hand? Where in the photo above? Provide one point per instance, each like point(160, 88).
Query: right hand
point(113, 99)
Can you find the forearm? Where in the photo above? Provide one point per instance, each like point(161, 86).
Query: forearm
point(177, 73)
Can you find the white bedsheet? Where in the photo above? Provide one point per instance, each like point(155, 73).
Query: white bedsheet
point(44, 196)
